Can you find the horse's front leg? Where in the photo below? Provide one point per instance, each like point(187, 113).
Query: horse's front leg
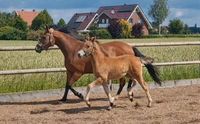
point(107, 91)
point(71, 79)
point(98, 81)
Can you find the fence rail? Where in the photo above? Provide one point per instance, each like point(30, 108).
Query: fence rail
point(30, 48)
point(50, 70)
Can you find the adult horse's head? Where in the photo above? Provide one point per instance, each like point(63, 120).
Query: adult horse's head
point(88, 47)
point(46, 40)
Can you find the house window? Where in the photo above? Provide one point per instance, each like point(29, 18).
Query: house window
point(107, 21)
point(80, 19)
point(103, 21)
point(140, 21)
point(131, 20)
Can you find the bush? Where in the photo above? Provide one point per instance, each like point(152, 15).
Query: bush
point(176, 26)
point(10, 33)
point(100, 34)
point(34, 35)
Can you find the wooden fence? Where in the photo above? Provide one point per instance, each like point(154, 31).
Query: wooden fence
point(50, 70)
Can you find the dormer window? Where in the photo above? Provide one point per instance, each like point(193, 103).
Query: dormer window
point(80, 18)
point(113, 11)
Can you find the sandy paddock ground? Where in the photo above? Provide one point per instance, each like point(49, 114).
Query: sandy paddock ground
point(170, 106)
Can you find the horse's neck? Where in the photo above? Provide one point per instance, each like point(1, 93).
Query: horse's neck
point(66, 43)
point(98, 57)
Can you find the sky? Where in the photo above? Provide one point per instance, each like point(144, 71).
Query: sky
point(186, 10)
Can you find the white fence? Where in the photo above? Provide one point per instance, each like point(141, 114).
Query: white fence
point(50, 70)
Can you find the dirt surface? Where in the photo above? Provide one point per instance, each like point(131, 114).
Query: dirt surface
point(170, 106)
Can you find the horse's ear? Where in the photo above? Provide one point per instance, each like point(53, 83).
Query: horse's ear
point(51, 30)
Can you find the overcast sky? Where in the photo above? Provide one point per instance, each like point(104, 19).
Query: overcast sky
point(186, 10)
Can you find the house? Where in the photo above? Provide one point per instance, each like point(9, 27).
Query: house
point(27, 16)
point(105, 14)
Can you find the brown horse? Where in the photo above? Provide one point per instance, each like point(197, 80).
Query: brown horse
point(108, 68)
point(75, 66)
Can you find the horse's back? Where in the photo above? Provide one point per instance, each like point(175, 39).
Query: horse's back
point(117, 48)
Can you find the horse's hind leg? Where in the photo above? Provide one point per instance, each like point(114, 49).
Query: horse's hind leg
point(98, 81)
point(111, 99)
point(146, 89)
point(121, 86)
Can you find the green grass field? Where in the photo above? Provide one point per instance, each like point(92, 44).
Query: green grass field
point(54, 58)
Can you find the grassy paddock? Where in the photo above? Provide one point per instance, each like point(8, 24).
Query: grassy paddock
point(54, 58)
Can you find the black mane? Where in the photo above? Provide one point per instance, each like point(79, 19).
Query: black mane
point(66, 30)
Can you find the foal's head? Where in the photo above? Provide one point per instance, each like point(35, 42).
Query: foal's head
point(46, 40)
point(88, 47)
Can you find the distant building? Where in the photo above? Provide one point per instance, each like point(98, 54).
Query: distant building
point(27, 16)
point(132, 13)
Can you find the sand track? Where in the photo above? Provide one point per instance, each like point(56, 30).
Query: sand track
point(170, 105)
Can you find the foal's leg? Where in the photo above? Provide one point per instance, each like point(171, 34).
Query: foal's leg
point(145, 88)
point(107, 91)
point(98, 81)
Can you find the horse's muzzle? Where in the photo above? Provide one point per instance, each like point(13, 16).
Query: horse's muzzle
point(38, 48)
point(81, 53)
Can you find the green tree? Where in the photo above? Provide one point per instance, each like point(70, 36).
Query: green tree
point(20, 24)
point(126, 29)
point(176, 26)
point(41, 20)
point(158, 12)
point(7, 19)
point(61, 23)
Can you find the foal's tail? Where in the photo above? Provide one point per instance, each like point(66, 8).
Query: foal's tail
point(147, 61)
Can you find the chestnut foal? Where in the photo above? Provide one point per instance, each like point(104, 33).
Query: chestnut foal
point(108, 68)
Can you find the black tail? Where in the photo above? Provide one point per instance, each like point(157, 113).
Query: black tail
point(153, 71)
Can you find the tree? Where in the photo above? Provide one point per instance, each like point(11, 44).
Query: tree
point(61, 23)
point(176, 26)
point(159, 12)
point(7, 19)
point(120, 29)
point(126, 29)
point(41, 20)
point(114, 28)
point(20, 24)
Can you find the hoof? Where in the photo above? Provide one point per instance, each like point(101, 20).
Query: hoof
point(116, 97)
point(111, 104)
point(149, 106)
point(109, 108)
point(131, 99)
point(88, 104)
point(81, 96)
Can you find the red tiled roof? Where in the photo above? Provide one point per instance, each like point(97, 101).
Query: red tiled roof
point(27, 16)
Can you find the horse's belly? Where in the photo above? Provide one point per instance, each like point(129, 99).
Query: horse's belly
point(116, 76)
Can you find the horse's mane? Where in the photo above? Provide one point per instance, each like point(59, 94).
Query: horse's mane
point(66, 30)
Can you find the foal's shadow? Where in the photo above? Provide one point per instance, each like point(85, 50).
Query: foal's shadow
point(82, 109)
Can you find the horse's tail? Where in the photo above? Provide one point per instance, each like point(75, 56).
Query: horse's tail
point(147, 61)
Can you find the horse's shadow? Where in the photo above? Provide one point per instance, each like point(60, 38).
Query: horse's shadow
point(51, 102)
